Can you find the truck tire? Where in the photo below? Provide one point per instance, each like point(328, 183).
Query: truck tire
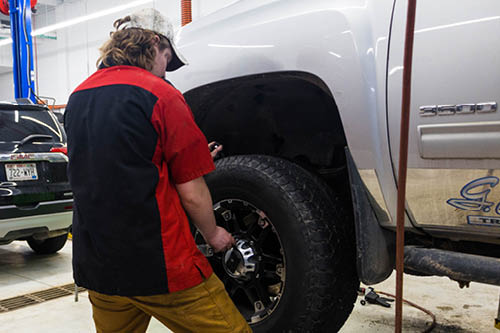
point(289, 270)
point(49, 245)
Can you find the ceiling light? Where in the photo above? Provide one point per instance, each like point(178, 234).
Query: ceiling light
point(81, 19)
point(89, 17)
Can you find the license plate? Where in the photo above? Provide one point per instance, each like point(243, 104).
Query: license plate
point(24, 171)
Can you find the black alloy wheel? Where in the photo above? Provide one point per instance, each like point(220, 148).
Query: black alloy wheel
point(293, 267)
point(253, 270)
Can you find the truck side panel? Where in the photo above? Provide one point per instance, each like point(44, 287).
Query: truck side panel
point(343, 43)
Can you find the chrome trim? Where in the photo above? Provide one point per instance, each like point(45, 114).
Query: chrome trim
point(43, 203)
point(23, 157)
point(6, 192)
point(246, 255)
point(449, 110)
point(55, 202)
point(465, 108)
point(446, 110)
point(8, 207)
point(486, 107)
point(427, 111)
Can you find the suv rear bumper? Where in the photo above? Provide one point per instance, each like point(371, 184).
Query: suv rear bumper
point(26, 226)
point(9, 212)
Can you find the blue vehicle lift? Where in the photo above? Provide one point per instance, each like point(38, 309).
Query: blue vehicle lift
point(22, 49)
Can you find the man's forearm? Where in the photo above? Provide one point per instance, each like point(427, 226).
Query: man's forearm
point(197, 202)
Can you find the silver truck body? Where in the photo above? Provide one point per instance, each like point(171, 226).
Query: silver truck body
point(355, 48)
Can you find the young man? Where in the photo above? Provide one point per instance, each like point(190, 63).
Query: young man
point(137, 161)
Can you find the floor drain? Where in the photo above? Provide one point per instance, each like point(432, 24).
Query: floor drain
point(38, 297)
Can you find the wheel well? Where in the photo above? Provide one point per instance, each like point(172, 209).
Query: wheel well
point(291, 115)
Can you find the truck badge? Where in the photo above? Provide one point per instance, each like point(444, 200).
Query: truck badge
point(450, 110)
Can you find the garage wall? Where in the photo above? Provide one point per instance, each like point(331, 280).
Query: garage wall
point(64, 58)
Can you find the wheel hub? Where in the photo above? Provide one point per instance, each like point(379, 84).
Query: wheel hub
point(253, 271)
point(239, 262)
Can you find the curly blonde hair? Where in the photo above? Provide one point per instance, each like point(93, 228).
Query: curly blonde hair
point(130, 46)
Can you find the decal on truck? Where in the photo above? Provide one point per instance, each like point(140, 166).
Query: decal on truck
point(484, 220)
point(475, 198)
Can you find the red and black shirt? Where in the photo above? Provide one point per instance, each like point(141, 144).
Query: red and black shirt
point(131, 138)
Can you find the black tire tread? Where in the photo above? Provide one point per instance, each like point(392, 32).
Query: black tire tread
point(319, 213)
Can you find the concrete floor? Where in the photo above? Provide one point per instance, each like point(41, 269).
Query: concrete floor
point(22, 272)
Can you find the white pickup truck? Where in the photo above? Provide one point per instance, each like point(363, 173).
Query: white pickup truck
point(305, 96)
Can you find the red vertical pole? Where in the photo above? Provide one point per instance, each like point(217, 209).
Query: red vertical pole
point(186, 11)
point(403, 161)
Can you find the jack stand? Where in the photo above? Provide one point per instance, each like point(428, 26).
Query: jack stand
point(497, 319)
point(373, 298)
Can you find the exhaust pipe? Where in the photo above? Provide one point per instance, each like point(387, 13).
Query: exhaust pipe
point(457, 266)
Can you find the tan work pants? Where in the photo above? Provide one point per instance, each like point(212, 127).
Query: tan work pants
point(205, 308)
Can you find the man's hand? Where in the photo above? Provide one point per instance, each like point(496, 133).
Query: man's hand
point(197, 202)
point(220, 240)
point(216, 150)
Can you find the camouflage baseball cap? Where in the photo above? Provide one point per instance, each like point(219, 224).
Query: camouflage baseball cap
point(151, 19)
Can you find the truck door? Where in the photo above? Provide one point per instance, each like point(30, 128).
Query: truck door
point(454, 149)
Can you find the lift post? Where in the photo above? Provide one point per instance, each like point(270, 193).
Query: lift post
point(22, 49)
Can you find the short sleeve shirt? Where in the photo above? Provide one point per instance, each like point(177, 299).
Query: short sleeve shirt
point(131, 139)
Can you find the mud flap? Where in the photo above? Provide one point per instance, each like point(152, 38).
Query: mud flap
point(375, 246)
